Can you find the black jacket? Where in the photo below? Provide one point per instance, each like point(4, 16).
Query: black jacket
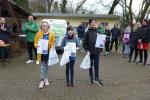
point(115, 33)
point(134, 37)
point(145, 33)
point(81, 30)
point(90, 41)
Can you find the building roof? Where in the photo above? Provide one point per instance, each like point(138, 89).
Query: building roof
point(110, 16)
point(20, 8)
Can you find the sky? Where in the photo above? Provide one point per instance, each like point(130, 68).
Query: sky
point(99, 9)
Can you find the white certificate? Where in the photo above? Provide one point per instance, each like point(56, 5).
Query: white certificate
point(71, 48)
point(100, 41)
point(42, 46)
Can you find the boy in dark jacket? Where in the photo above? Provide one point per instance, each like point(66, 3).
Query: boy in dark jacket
point(70, 38)
point(115, 36)
point(89, 46)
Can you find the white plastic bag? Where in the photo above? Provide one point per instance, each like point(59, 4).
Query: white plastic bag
point(85, 64)
point(53, 57)
point(64, 59)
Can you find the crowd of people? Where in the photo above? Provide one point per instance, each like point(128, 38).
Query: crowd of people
point(135, 40)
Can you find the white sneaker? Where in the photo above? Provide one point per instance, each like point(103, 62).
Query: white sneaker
point(46, 82)
point(29, 61)
point(41, 85)
point(37, 62)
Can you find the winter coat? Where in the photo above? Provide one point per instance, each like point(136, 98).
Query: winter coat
point(115, 33)
point(90, 41)
point(30, 29)
point(81, 30)
point(51, 41)
point(72, 39)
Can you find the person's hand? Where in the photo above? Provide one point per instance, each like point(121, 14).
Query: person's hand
point(139, 40)
point(77, 48)
point(37, 46)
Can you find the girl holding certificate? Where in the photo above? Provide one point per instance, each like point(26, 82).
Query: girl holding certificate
point(71, 44)
point(44, 39)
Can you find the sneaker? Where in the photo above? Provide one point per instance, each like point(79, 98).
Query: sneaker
point(29, 61)
point(41, 85)
point(46, 82)
point(99, 82)
point(37, 62)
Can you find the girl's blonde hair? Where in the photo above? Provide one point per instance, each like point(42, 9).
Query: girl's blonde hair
point(44, 22)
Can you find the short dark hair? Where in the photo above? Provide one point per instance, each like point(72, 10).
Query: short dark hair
point(69, 28)
point(90, 20)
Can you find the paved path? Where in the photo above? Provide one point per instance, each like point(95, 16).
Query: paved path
point(123, 81)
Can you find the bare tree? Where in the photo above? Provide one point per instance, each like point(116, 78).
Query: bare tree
point(112, 8)
point(63, 6)
point(79, 5)
point(142, 14)
point(49, 5)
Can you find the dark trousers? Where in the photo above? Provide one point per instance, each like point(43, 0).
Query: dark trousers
point(94, 60)
point(131, 53)
point(30, 47)
point(116, 44)
point(70, 71)
point(107, 45)
point(4, 53)
point(145, 55)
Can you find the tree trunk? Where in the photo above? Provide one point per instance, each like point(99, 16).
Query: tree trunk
point(63, 6)
point(130, 14)
point(49, 5)
point(143, 12)
point(79, 5)
point(112, 8)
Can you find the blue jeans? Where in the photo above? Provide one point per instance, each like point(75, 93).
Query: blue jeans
point(126, 49)
point(70, 71)
point(44, 70)
point(94, 60)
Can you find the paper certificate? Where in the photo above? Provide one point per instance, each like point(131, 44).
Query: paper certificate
point(71, 48)
point(100, 41)
point(42, 46)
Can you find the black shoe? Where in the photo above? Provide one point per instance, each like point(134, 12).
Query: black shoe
point(99, 82)
point(67, 84)
point(72, 84)
point(91, 80)
point(139, 62)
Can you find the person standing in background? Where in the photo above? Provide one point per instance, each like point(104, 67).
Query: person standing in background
point(80, 31)
point(4, 37)
point(144, 42)
point(134, 36)
point(30, 28)
point(115, 37)
point(126, 39)
point(107, 43)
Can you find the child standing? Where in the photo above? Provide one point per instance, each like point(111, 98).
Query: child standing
point(134, 36)
point(126, 39)
point(45, 35)
point(107, 44)
point(70, 38)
